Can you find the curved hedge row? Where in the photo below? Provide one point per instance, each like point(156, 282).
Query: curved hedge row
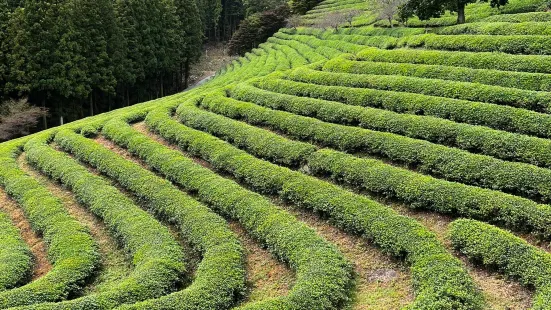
point(482, 60)
point(439, 279)
point(511, 255)
point(305, 50)
point(220, 276)
point(156, 256)
point(475, 113)
point(478, 139)
point(520, 17)
point(519, 98)
point(511, 44)
point(71, 249)
point(323, 276)
point(499, 28)
point(522, 80)
point(318, 43)
point(413, 188)
point(450, 163)
point(15, 256)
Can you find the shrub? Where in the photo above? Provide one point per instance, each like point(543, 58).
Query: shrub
point(482, 60)
point(71, 249)
point(461, 111)
point(476, 139)
point(441, 161)
point(532, 100)
point(156, 256)
point(15, 256)
point(220, 275)
point(498, 28)
point(323, 275)
point(522, 80)
point(512, 256)
point(520, 18)
point(438, 276)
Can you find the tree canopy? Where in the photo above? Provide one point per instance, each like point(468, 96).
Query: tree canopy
point(425, 9)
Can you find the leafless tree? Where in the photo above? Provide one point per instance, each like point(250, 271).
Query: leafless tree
point(17, 118)
point(388, 8)
point(294, 21)
point(335, 19)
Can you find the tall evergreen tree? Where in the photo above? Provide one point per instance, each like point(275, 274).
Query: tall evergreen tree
point(191, 37)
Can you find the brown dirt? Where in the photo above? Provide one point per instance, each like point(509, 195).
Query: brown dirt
point(266, 276)
point(500, 293)
point(381, 281)
point(36, 244)
point(114, 264)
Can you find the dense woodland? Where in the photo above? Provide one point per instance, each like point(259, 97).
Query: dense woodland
point(77, 58)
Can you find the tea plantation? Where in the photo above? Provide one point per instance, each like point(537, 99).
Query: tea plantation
point(428, 146)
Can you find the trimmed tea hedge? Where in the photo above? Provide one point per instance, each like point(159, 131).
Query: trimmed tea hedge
point(156, 256)
point(531, 100)
point(522, 80)
point(439, 278)
point(220, 276)
point(477, 139)
point(71, 250)
point(511, 255)
point(415, 189)
point(15, 256)
point(499, 28)
point(520, 18)
point(483, 60)
point(450, 163)
point(323, 276)
point(475, 113)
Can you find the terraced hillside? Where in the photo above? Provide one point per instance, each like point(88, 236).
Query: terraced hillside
point(367, 167)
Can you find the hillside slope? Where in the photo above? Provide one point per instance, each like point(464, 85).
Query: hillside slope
point(382, 167)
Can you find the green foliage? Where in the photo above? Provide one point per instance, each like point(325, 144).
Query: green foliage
point(256, 29)
point(461, 111)
point(323, 275)
point(400, 236)
point(220, 276)
point(156, 256)
point(15, 255)
point(531, 100)
point(449, 163)
point(71, 249)
point(512, 256)
point(512, 79)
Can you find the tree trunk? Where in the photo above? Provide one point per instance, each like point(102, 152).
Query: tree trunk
point(389, 21)
point(127, 97)
point(91, 105)
point(44, 119)
point(162, 86)
point(186, 74)
point(460, 12)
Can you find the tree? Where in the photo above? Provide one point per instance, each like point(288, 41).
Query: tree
point(257, 28)
point(191, 37)
point(426, 9)
point(17, 118)
point(387, 9)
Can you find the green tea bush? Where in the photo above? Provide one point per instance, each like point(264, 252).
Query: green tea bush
point(475, 113)
point(156, 256)
point(520, 18)
point(413, 188)
point(476, 139)
point(439, 278)
point(220, 276)
point(531, 100)
point(499, 28)
point(15, 256)
point(438, 160)
point(522, 80)
point(482, 60)
point(71, 249)
point(511, 255)
point(323, 276)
